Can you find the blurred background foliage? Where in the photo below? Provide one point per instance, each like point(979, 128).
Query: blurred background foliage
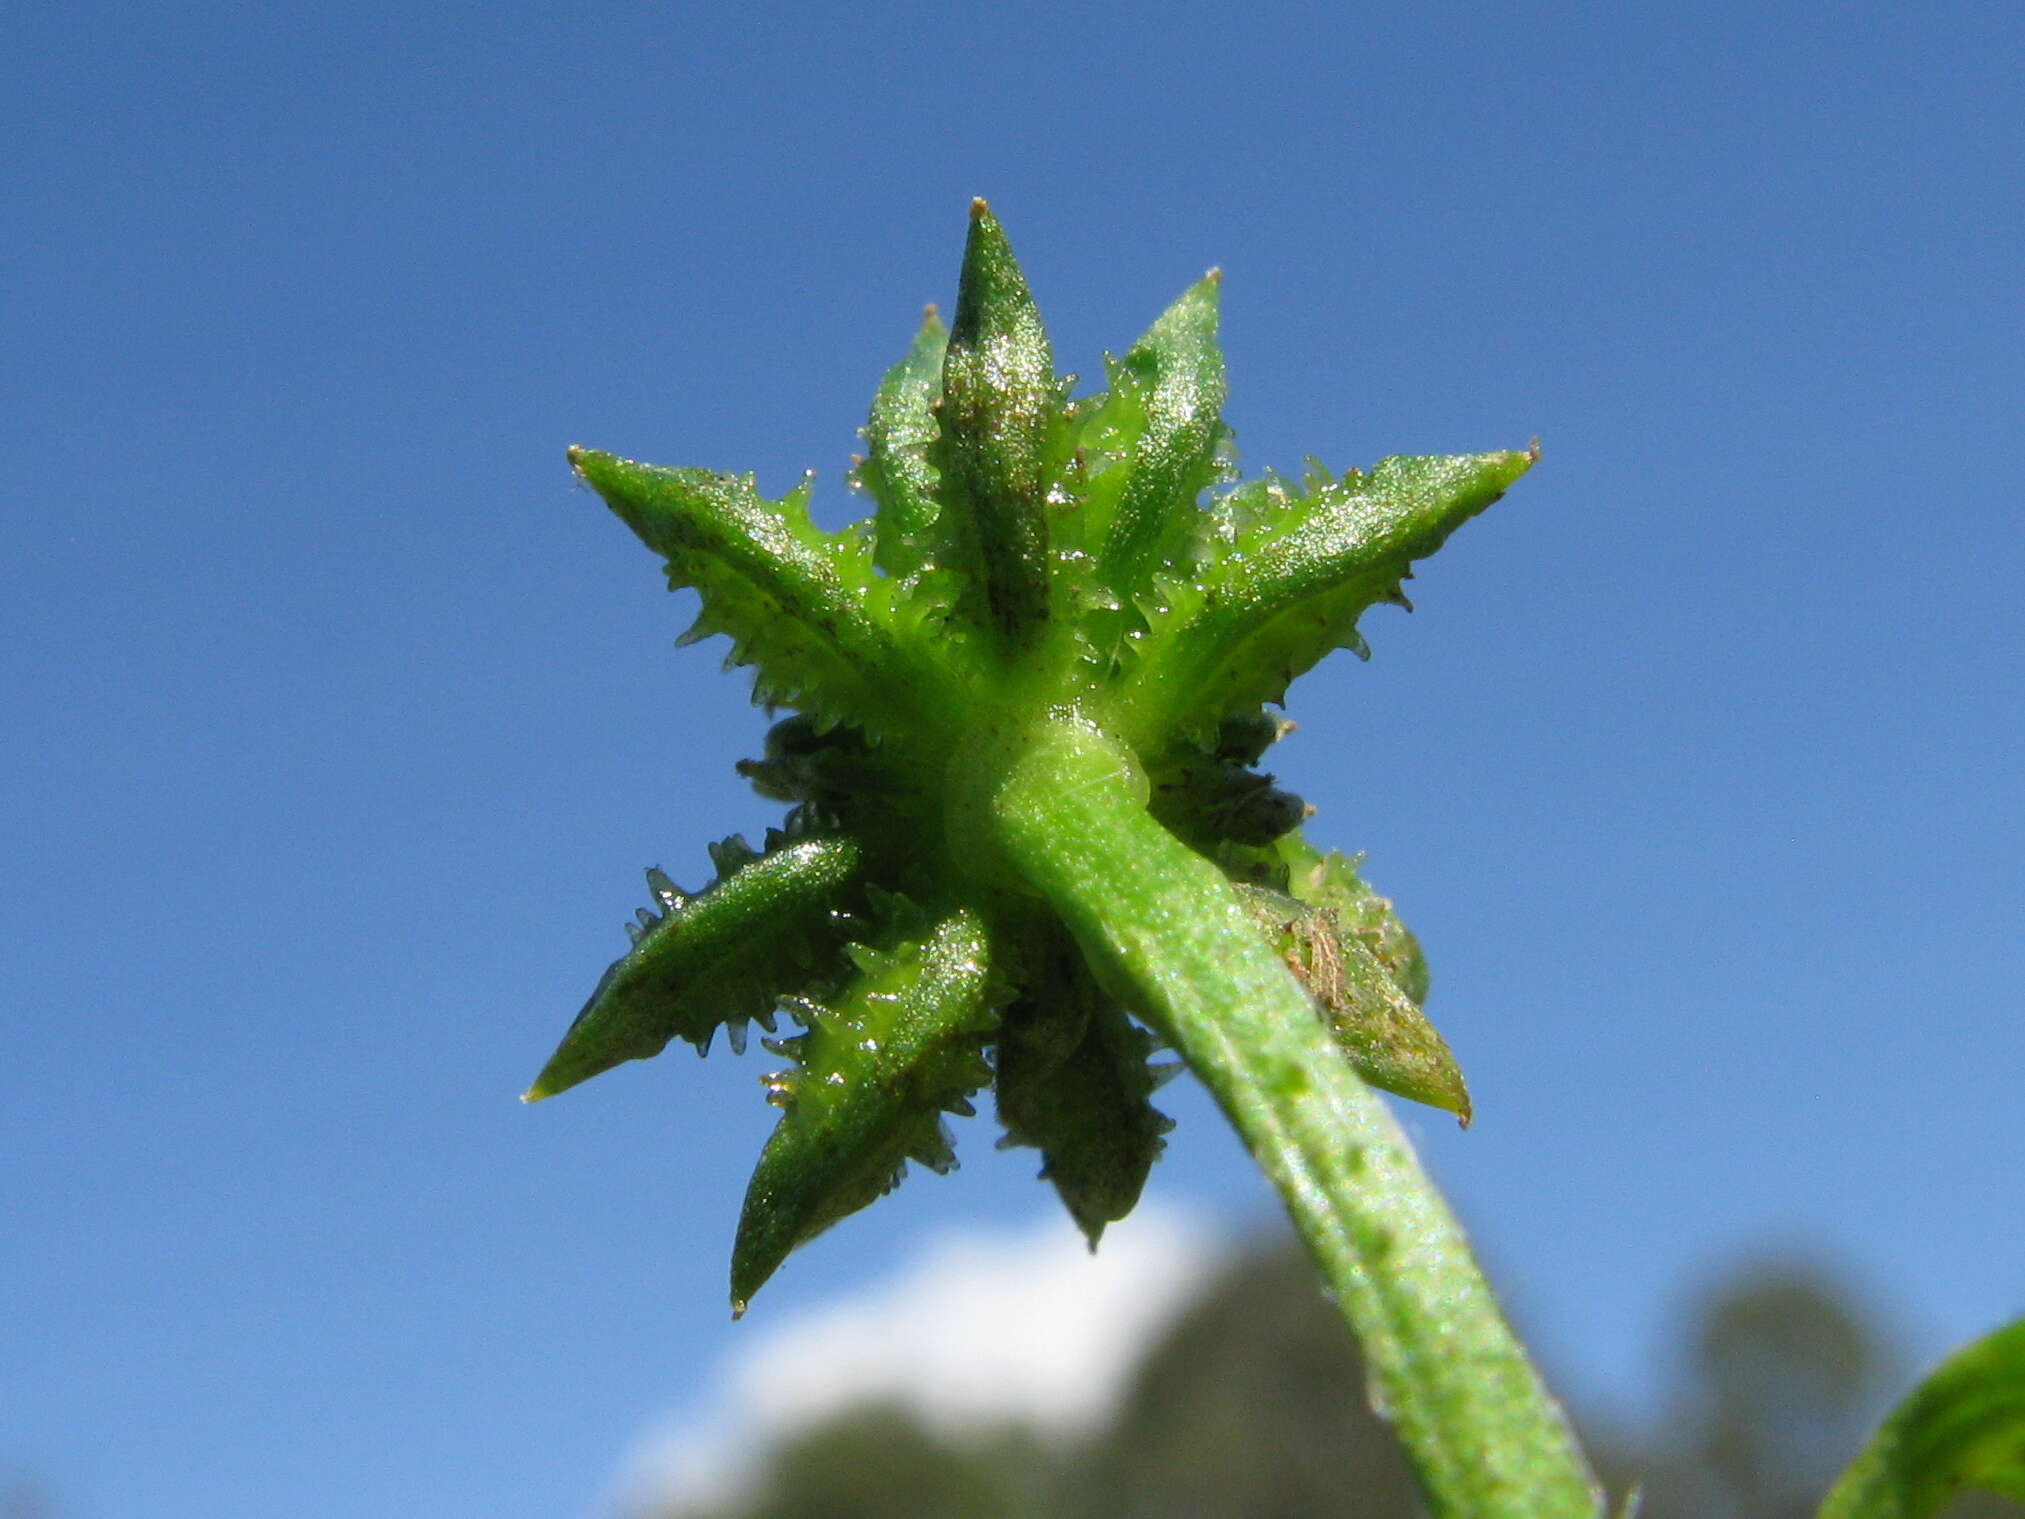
point(1252, 1405)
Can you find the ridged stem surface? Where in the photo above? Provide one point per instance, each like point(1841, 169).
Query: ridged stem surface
point(1164, 928)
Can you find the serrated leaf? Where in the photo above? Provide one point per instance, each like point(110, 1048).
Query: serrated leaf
point(898, 435)
point(799, 605)
point(1963, 1427)
point(1073, 1082)
point(1000, 409)
point(724, 955)
point(1176, 369)
point(1291, 576)
point(879, 1066)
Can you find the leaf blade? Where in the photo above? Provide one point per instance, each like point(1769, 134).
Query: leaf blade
point(727, 953)
point(878, 1068)
point(999, 412)
point(1291, 576)
point(1178, 366)
point(800, 606)
point(1073, 1082)
point(1962, 1427)
point(899, 434)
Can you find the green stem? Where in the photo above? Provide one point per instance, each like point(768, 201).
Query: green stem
point(1170, 935)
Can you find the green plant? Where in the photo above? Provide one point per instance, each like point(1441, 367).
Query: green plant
point(1027, 842)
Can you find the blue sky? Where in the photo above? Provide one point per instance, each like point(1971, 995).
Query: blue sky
point(343, 724)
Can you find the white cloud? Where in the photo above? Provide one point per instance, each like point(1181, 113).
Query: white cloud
point(978, 1328)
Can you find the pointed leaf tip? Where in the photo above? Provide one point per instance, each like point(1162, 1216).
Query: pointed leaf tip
point(908, 529)
point(876, 1070)
point(1074, 1083)
point(793, 599)
point(1296, 571)
point(1348, 948)
point(1170, 385)
point(725, 955)
point(999, 407)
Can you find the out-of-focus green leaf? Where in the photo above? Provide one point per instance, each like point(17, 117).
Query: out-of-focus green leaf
point(1963, 1427)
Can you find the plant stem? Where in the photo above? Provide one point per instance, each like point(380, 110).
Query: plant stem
point(1173, 942)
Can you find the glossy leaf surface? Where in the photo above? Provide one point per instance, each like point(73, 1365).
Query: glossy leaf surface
point(874, 1072)
point(723, 956)
point(1289, 575)
point(899, 433)
point(999, 414)
point(1032, 558)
